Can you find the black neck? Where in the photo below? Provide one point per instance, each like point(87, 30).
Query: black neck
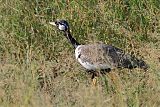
point(71, 39)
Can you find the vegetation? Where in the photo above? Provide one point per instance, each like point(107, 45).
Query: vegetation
point(38, 67)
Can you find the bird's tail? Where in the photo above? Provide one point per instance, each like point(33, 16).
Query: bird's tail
point(141, 64)
point(133, 62)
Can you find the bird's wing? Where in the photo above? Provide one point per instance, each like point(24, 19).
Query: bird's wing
point(96, 55)
point(115, 54)
point(103, 56)
point(121, 59)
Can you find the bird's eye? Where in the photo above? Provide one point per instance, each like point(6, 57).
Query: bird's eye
point(56, 22)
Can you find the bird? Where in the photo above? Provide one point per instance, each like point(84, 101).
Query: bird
point(99, 56)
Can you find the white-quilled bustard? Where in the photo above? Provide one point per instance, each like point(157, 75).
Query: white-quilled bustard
point(99, 56)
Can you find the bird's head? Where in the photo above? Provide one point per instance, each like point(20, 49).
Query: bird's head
point(62, 25)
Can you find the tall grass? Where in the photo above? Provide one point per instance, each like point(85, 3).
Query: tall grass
point(37, 64)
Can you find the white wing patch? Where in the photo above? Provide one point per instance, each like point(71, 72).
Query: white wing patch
point(77, 51)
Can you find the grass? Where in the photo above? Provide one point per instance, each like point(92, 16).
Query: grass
point(38, 67)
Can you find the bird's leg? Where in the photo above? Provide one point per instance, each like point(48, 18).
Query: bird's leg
point(93, 76)
point(94, 79)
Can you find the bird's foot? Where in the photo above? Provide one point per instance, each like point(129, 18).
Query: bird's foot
point(94, 81)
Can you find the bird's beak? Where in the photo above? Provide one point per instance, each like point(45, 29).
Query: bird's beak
point(52, 23)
